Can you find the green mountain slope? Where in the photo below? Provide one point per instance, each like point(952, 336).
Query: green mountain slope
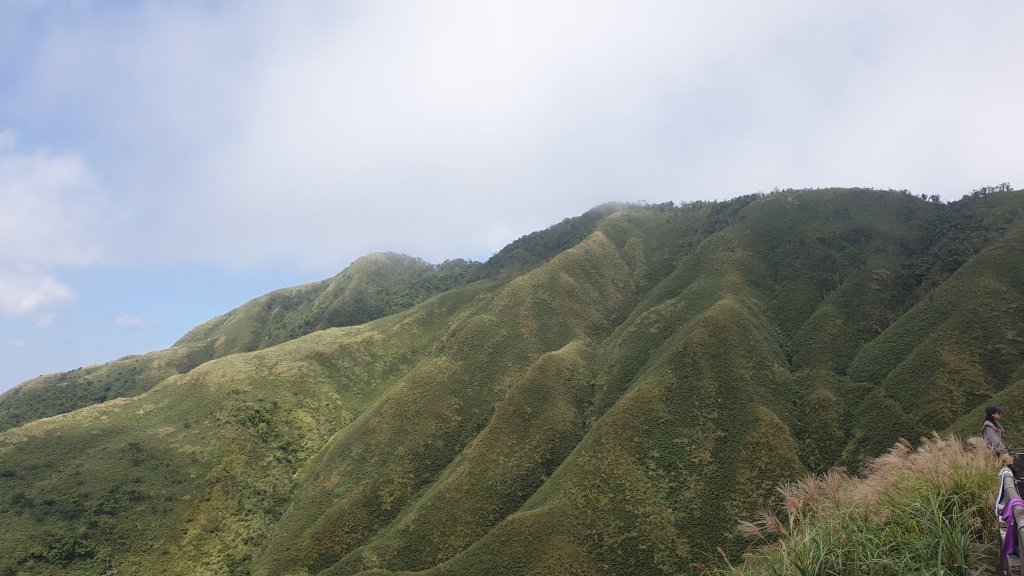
point(372, 287)
point(611, 399)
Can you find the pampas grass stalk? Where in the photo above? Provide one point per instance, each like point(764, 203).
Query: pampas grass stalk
point(914, 511)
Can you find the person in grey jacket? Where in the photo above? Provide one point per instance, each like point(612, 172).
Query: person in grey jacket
point(992, 430)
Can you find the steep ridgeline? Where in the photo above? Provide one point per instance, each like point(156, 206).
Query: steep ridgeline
point(612, 408)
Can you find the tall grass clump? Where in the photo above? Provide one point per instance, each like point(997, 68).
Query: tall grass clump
point(923, 511)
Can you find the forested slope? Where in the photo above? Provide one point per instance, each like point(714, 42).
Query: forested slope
point(612, 402)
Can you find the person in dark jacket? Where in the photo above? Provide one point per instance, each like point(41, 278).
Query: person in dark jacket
point(992, 430)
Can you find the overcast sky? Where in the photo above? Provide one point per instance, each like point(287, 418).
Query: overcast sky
point(163, 162)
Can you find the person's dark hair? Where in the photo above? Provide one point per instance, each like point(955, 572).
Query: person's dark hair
point(990, 411)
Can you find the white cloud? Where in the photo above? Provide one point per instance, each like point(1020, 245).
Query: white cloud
point(310, 133)
point(45, 320)
point(17, 343)
point(50, 212)
point(50, 217)
point(23, 291)
point(129, 320)
point(418, 127)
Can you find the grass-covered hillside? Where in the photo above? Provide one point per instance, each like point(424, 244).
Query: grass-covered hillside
point(372, 287)
point(609, 396)
point(924, 511)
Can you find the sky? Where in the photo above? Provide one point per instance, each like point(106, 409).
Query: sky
point(163, 162)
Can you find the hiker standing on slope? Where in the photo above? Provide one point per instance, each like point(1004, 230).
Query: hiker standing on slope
point(992, 430)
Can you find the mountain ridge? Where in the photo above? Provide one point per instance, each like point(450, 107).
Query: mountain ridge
point(372, 286)
point(613, 406)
